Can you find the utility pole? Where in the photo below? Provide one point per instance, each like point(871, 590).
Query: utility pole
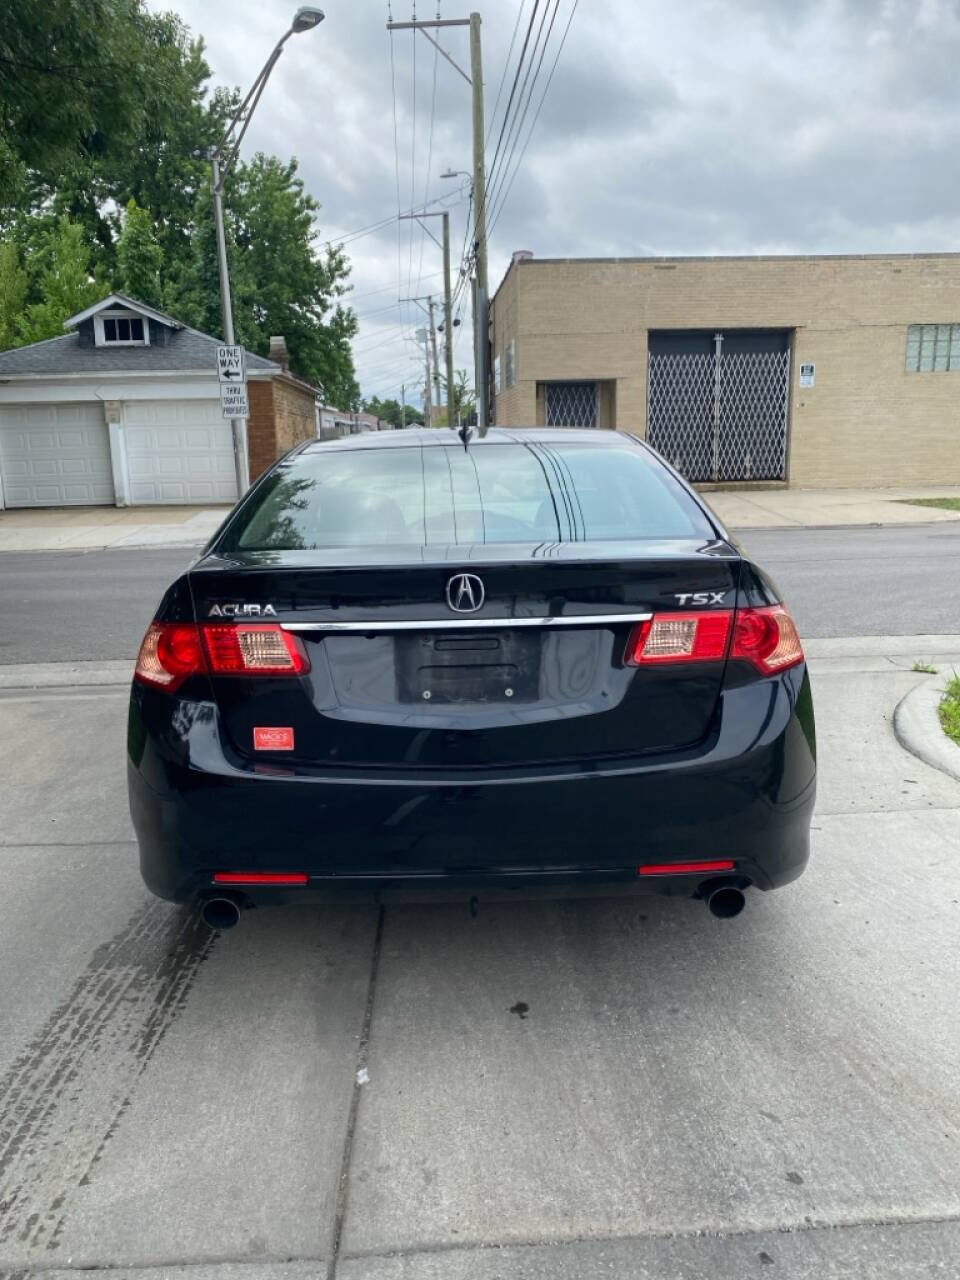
point(436, 365)
point(427, 402)
point(448, 316)
point(447, 303)
point(480, 204)
point(481, 290)
point(403, 406)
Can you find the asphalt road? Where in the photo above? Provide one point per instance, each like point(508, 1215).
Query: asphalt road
point(838, 582)
point(551, 1091)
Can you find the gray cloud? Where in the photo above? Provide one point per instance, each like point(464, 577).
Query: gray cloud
point(726, 126)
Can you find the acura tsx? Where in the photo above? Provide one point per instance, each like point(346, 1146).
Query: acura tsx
point(408, 662)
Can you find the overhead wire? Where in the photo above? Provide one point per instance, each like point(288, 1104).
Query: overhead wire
point(523, 103)
point(413, 158)
point(426, 181)
point(516, 78)
point(503, 74)
point(533, 125)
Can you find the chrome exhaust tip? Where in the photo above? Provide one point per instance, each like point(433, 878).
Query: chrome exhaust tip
point(726, 902)
point(220, 913)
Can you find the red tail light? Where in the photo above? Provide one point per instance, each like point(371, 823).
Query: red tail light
point(254, 648)
point(261, 877)
point(173, 651)
point(685, 868)
point(680, 637)
point(765, 637)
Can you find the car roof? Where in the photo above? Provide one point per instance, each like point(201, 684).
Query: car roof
point(438, 436)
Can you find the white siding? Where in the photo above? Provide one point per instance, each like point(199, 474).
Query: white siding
point(178, 451)
point(54, 455)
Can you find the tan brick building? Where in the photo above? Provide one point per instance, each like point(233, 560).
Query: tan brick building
point(812, 370)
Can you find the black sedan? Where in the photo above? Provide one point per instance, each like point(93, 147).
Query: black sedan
point(407, 663)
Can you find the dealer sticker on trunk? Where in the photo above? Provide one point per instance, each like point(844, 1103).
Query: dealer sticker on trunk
point(272, 739)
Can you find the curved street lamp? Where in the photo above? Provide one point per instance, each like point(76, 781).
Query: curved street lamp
point(222, 159)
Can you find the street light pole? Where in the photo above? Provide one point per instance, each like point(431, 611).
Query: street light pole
point(222, 159)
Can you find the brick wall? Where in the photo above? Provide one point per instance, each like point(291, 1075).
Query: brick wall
point(282, 414)
point(866, 422)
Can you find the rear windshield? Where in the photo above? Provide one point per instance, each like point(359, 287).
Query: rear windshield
point(574, 492)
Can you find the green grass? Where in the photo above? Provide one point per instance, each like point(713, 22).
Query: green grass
point(950, 710)
point(945, 504)
point(925, 667)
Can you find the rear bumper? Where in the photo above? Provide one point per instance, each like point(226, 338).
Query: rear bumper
point(746, 795)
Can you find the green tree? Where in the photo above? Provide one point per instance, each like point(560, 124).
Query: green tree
point(58, 268)
point(464, 400)
point(139, 257)
point(283, 285)
point(102, 103)
point(280, 285)
point(69, 76)
point(391, 411)
point(13, 294)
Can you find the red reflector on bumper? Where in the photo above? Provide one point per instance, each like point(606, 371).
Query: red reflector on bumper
point(261, 877)
point(684, 868)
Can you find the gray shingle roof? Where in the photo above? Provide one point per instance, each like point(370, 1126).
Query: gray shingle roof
point(185, 349)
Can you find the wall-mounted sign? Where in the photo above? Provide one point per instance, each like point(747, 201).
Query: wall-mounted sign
point(808, 375)
point(496, 376)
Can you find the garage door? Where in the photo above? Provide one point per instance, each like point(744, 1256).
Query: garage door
point(179, 451)
point(55, 455)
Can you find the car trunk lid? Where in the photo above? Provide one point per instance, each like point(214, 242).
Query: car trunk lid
point(402, 678)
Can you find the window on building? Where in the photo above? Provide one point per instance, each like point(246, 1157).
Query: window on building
point(933, 348)
point(511, 363)
point(127, 330)
point(571, 404)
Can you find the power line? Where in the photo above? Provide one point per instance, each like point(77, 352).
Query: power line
point(413, 162)
point(546, 90)
point(396, 154)
point(452, 200)
point(369, 293)
point(523, 103)
point(503, 74)
point(426, 181)
point(516, 78)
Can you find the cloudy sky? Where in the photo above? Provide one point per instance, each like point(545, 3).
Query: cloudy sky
point(669, 127)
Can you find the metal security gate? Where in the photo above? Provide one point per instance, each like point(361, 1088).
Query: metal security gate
point(571, 404)
point(717, 403)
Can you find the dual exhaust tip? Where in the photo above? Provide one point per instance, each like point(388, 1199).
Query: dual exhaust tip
point(724, 902)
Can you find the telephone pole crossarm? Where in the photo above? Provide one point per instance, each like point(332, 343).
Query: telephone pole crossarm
point(422, 28)
point(417, 217)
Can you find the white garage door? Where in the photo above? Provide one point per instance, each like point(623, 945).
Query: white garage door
point(55, 455)
point(178, 451)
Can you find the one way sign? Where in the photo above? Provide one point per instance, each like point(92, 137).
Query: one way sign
point(230, 364)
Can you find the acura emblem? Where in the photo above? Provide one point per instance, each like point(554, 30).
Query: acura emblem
point(465, 593)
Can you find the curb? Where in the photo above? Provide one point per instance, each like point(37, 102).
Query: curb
point(917, 729)
point(65, 675)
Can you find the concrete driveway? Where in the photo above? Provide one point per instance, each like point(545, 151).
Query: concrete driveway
point(576, 1089)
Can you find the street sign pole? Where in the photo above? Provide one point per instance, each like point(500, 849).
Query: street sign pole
point(238, 425)
point(234, 404)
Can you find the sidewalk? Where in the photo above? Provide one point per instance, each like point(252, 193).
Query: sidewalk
point(809, 508)
point(96, 528)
